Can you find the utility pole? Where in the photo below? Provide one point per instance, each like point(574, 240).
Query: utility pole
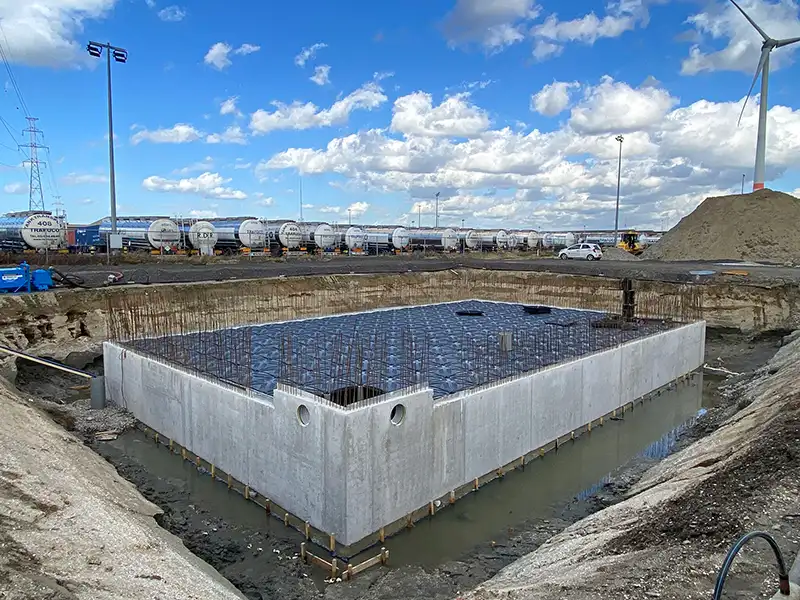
point(120, 55)
point(743, 176)
point(419, 216)
point(35, 195)
point(620, 139)
point(437, 210)
point(349, 216)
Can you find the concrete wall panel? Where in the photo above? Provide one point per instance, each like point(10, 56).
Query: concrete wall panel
point(514, 437)
point(448, 453)
point(601, 384)
point(557, 405)
point(482, 430)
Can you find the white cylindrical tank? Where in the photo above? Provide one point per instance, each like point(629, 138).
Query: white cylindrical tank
point(286, 234)
point(203, 236)
point(439, 239)
point(400, 238)
point(513, 241)
point(472, 239)
point(558, 239)
point(41, 232)
point(649, 240)
point(163, 233)
point(354, 239)
point(532, 239)
point(251, 233)
point(325, 237)
point(488, 239)
point(501, 239)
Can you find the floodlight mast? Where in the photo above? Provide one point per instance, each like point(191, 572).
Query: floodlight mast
point(120, 55)
point(762, 69)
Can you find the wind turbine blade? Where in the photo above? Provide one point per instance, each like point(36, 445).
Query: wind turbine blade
point(781, 43)
point(753, 23)
point(764, 53)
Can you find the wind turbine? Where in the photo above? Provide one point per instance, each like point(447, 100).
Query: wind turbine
point(767, 47)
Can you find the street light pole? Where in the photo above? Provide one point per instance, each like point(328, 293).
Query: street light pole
point(121, 56)
point(620, 139)
point(436, 221)
point(349, 216)
point(743, 176)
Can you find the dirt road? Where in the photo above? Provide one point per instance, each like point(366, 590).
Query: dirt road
point(174, 269)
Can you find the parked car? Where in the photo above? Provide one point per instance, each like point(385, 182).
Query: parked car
point(582, 251)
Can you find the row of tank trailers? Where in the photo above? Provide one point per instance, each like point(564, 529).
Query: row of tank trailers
point(43, 231)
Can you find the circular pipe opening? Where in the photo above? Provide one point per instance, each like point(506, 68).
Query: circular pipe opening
point(303, 415)
point(398, 414)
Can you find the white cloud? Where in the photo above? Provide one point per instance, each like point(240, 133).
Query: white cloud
point(264, 200)
point(241, 164)
point(796, 193)
point(356, 209)
point(150, 3)
point(172, 14)
point(201, 166)
point(49, 32)
point(615, 107)
point(307, 54)
point(381, 75)
point(673, 156)
point(87, 201)
point(321, 75)
point(300, 116)
point(232, 135)
point(455, 116)
point(228, 107)
point(553, 98)
point(78, 179)
point(494, 24)
point(552, 34)
point(218, 56)
point(16, 188)
point(721, 21)
point(203, 214)
point(181, 133)
point(207, 185)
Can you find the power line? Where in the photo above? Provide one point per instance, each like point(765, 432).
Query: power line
point(11, 76)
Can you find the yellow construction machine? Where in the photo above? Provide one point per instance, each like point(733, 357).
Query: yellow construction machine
point(629, 241)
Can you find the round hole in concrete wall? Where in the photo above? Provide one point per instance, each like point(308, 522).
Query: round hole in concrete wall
point(303, 415)
point(398, 414)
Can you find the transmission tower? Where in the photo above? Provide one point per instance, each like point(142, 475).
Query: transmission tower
point(36, 201)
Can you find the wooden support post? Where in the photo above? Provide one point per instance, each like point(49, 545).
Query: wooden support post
point(334, 568)
point(431, 508)
point(286, 519)
point(156, 438)
point(572, 435)
point(303, 555)
point(601, 420)
point(307, 530)
point(230, 482)
point(589, 427)
point(171, 445)
point(197, 460)
point(382, 535)
point(476, 484)
point(499, 473)
point(332, 542)
point(267, 506)
point(247, 492)
point(614, 413)
point(213, 471)
point(349, 571)
point(410, 522)
point(452, 497)
point(183, 453)
point(541, 452)
point(384, 556)
point(522, 461)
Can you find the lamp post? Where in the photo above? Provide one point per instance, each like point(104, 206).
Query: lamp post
point(743, 176)
point(436, 221)
point(349, 216)
point(620, 139)
point(120, 55)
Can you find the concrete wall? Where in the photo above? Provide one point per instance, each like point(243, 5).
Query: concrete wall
point(352, 471)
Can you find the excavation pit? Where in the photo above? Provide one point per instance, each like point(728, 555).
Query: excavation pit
point(359, 423)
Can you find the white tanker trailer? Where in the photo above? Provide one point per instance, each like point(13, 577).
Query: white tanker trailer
point(558, 239)
point(283, 234)
point(202, 236)
point(157, 233)
point(31, 231)
point(319, 235)
point(486, 240)
point(240, 232)
point(378, 240)
point(532, 239)
point(435, 239)
point(353, 239)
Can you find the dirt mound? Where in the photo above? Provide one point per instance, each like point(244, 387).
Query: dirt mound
point(761, 226)
point(611, 253)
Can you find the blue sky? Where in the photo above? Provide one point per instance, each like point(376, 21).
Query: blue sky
point(507, 108)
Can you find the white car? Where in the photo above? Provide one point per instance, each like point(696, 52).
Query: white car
point(582, 251)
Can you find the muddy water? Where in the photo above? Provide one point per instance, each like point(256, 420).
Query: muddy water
point(575, 471)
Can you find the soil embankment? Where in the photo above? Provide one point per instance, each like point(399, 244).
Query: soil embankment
point(72, 528)
point(754, 227)
point(668, 538)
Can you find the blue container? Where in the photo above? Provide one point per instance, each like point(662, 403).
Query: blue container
point(20, 279)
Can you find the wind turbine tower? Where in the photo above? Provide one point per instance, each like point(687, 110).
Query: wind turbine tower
point(767, 47)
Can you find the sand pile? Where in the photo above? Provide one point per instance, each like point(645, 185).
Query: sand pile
point(762, 226)
point(612, 253)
